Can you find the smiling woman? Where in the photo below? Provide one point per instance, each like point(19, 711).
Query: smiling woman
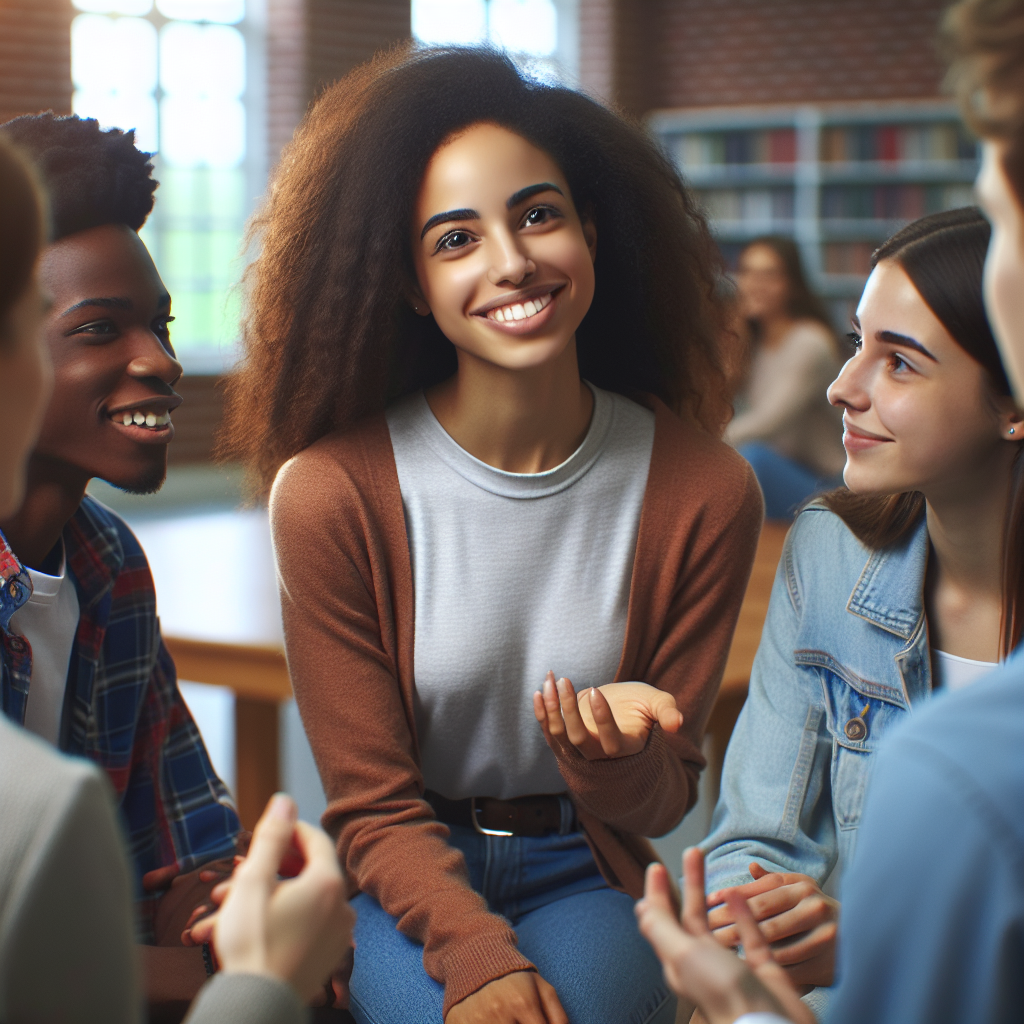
point(483, 332)
point(907, 582)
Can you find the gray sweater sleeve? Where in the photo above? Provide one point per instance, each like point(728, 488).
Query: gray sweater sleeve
point(66, 935)
point(246, 999)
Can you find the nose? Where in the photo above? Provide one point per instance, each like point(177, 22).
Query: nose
point(510, 265)
point(849, 390)
point(153, 358)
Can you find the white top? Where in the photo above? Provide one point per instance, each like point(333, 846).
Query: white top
point(514, 574)
point(954, 673)
point(48, 621)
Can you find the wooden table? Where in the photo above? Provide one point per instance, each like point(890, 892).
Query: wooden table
point(745, 642)
point(221, 619)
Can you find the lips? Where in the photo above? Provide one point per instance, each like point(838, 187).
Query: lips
point(521, 311)
point(148, 420)
point(855, 440)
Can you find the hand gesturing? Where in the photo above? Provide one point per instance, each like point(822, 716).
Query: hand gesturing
point(603, 722)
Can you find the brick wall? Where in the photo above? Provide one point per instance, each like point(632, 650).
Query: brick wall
point(644, 54)
point(35, 56)
point(312, 43)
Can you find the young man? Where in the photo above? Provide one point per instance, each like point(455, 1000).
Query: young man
point(82, 662)
point(933, 909)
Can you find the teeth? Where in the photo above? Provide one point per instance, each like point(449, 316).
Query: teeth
point(146, 419)
point(520, 311)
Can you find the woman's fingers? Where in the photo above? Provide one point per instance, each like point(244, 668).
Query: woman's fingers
point(558, 743)
point(575, 729)
point(665, 712)
point(550, 1002)
point(608, 732)
point(695, 913)
point(770, 880)
point(657, 892)
point(755, 946)
point(271, 840)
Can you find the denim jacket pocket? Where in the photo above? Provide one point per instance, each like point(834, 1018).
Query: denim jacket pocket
point(849, 780)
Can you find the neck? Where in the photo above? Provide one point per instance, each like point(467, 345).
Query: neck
point(964, 589)
point(519, 421)
point(775, 328)
point(52, 497)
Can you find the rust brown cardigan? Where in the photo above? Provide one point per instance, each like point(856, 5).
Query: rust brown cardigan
point(347, 600)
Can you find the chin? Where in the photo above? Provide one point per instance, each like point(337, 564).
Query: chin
point(147, 480)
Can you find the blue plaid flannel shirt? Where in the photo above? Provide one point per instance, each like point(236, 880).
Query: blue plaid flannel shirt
point(123, 709)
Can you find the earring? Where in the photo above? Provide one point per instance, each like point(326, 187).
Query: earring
point(1012, 431)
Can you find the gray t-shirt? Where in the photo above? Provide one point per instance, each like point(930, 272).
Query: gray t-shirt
point(514, 574)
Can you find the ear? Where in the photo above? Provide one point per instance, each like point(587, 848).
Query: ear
point(590, 236)
point(414, 297)
point(1011, 420)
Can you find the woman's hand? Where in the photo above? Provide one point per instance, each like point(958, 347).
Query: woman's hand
point(697, 967)
point(611, 721)
point(794, 915)
point(298, 930)
point(520, 998)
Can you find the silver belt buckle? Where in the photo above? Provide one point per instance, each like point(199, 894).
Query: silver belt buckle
point(476, 824)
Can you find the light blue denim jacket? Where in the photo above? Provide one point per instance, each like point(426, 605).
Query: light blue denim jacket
point(843, 657)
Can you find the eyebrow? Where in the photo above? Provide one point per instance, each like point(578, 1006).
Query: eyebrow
point(513, 200)
point(114, 303)
point(892, 338)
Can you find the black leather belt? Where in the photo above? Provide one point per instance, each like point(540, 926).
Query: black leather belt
point(521, 816)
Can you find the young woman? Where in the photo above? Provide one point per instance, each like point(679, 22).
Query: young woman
point(909, 582)
point(785, 427)
point(483, 329)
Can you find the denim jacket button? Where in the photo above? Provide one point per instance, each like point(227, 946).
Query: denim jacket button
point(856, 729)
point(16, 644)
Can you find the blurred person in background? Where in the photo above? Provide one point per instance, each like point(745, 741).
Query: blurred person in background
point(67, 951)
point(784, 426)
point(933, 925)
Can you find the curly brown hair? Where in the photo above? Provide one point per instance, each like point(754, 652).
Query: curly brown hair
point(328, 337)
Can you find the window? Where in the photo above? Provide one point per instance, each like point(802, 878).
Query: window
point(177, 71)
point(540, 34)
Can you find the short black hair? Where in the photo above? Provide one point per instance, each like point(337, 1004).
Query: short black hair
point(93, 176)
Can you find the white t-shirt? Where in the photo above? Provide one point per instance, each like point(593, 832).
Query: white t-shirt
point(514, 574)
point(48, 621)
point(954, 673)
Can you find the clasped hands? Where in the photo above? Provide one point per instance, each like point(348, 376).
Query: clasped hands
point(609, 721)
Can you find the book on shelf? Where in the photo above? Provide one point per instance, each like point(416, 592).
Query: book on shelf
point(891, 202)
point(755, 146)
point(754, 206)
point(895, 143)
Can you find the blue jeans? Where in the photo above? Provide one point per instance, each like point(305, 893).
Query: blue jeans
point(786, 484)
point(580, 934)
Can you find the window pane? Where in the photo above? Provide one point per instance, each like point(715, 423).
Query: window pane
point(204, 131)
point(227, 12)
point(202, 60)
point(113, 54)
point(115, 6)
point(525, 26)
point(449, 21)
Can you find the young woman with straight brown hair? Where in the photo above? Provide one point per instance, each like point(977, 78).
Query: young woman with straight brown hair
point(482, 337)
point(908, 581)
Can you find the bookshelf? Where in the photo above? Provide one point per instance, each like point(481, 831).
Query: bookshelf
point(838, 178)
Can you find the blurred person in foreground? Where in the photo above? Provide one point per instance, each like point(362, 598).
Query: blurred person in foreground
point(83, 665)
point(785, 427)
point(66, 943)
point(933, 927)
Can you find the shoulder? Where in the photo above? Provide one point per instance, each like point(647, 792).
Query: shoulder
point(345, 481)
point(819, 543)
point(49, 785)
point(971, 741)
point(105, 532)
point(811, 334)
point(699, 476)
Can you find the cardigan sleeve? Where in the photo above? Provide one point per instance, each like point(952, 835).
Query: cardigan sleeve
point(337, 573)
point(698, 535)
